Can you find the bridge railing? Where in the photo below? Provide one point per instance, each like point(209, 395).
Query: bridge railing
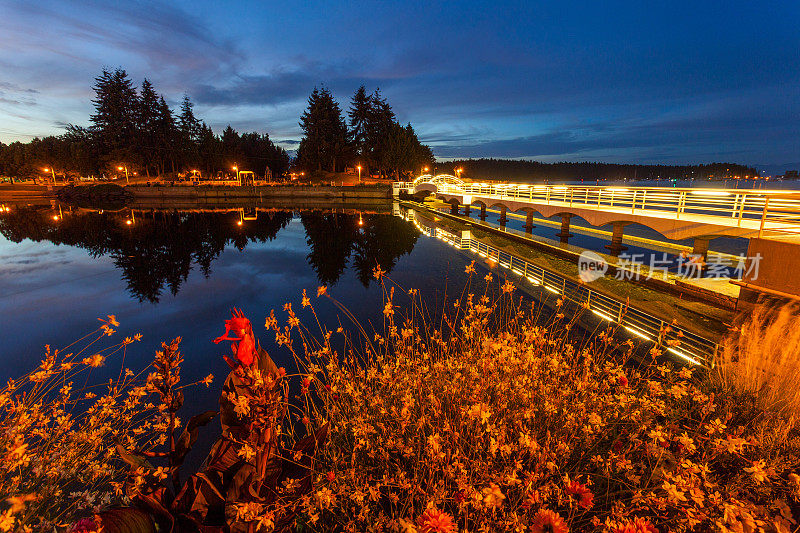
point(775, 211)
point(679, 341)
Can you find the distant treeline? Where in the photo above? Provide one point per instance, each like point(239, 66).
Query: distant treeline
point(530, 171)
point(135, 129)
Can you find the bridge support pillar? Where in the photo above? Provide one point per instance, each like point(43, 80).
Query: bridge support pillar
point(466, 209)
point(454, 208)
point(616, 245)
point(502, 220)
point(483, 212)
point(564, 234)
point(529, 222)
point(701, 247)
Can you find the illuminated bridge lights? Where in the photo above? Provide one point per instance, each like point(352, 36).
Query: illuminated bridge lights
point(582, 296)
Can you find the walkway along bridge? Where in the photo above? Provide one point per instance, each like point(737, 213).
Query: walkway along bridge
point(770, 219)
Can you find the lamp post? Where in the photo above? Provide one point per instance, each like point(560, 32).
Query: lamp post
point(236, 169)
point(125, 168)
point(359, 174)
point(53, 172)
point(424, 170)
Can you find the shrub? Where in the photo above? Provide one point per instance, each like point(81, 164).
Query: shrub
point(490, 421)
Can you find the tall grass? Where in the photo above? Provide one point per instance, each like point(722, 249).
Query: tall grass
point(761, 360)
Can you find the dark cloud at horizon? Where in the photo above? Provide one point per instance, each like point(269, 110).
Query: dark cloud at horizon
point(617, 81)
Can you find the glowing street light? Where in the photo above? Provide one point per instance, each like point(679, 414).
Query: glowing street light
point(359, 173)
point(53, 172)
point(125, 168)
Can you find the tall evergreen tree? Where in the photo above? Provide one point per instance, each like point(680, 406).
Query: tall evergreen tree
point(167, 136)
point(189, 128)
point(359, 115)
point(147, 125)
point(325, 141)
point(115, 118)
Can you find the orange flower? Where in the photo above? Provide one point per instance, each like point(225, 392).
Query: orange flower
point(638, 525)
point(547, 521)
point(244, 347)
point(581, 493)
point(435, 521)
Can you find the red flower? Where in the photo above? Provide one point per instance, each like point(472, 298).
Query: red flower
point(84, 525)
point(581, 493)
point(331, 476)
point(638, 525)
point(435, 521)
point(244, 347)
point(622, 381)
point(547, 521)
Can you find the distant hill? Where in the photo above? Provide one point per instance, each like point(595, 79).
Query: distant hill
point(534, 171)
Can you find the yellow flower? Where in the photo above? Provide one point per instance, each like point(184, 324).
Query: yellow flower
point(757, 472)
point(493, 497)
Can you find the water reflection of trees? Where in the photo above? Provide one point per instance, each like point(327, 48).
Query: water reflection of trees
point(334, 238)
point(161, 248)
point(158, 251)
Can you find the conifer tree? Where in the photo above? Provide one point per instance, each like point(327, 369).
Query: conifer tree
point(114, 122)
point(325, 141)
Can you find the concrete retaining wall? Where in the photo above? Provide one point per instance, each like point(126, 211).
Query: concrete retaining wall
point(305, 192)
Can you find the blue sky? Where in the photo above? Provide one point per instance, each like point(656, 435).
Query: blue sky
point(612, 81)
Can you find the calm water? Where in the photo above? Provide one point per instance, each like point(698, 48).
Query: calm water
point(175, 274)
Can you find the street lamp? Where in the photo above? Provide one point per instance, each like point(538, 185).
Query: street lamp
point(236, 169)
point(424, 170)
point(125, 168)
point(359, 174)
point(53, 171)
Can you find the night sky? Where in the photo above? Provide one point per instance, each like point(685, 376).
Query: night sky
point(612, 81)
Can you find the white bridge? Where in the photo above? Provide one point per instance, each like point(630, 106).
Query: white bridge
point(769, 218)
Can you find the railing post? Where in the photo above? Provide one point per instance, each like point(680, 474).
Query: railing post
point(644, 198)
point(571, 193)
point(763, 217)
point(681, 201)
point(741, 208)
point(547, 196)
point(633, 203)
